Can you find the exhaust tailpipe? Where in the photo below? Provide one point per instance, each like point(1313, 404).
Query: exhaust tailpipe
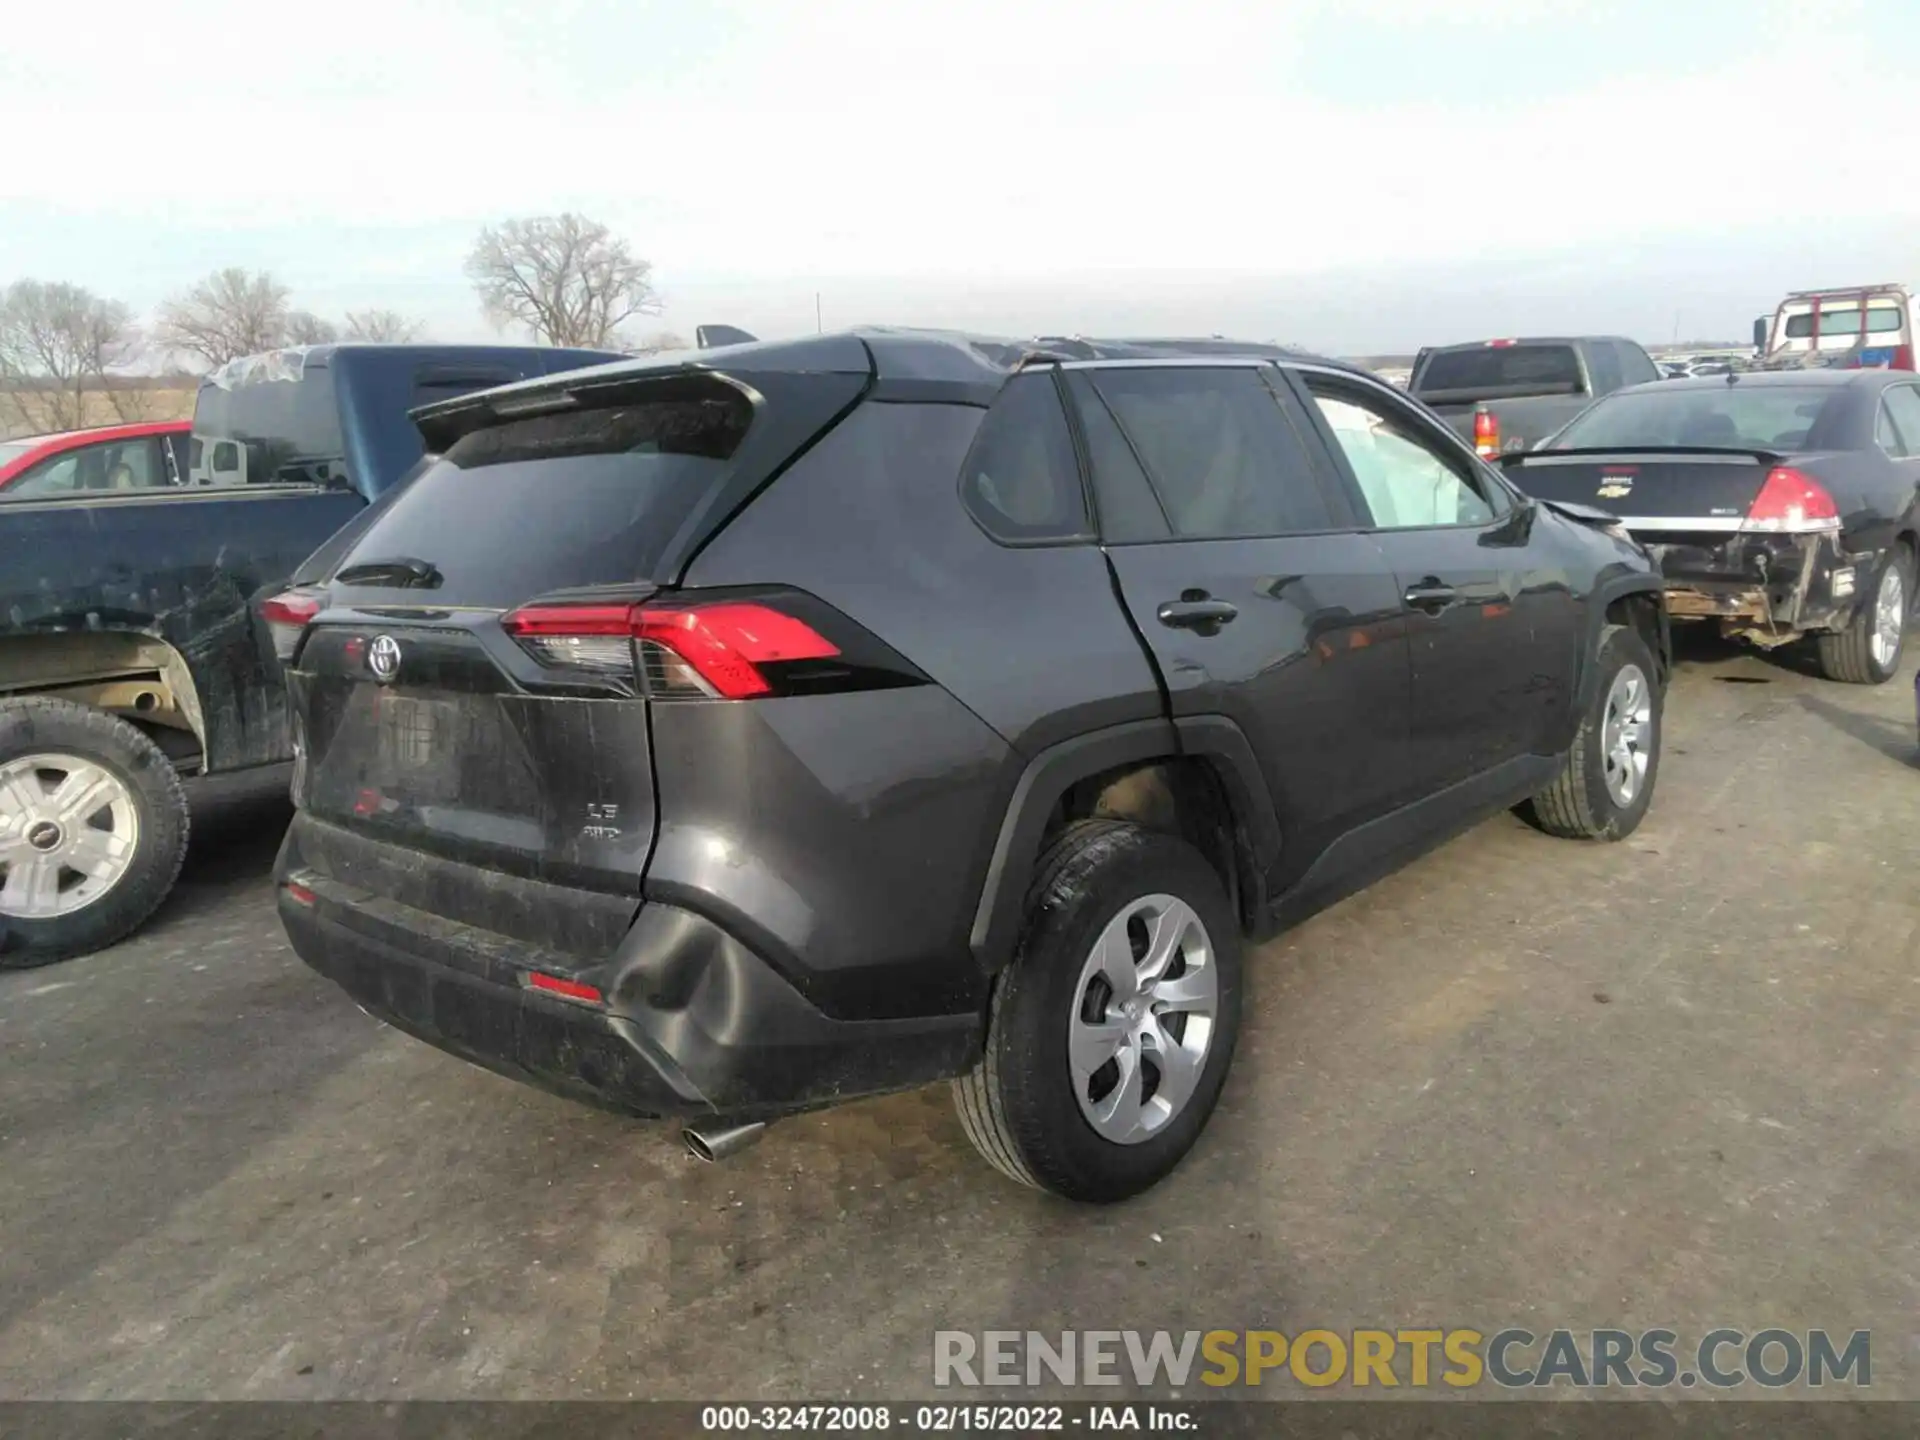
point(723, 1142)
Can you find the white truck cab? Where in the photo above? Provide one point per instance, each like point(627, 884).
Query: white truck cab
point(1861, 326)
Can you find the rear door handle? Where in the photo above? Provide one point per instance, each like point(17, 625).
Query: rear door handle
point(1431, 595)
point(1206, 616)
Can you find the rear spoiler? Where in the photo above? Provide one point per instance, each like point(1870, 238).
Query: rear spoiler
point(1518, 458)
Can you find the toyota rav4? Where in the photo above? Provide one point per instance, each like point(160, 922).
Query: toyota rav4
point(727, 735)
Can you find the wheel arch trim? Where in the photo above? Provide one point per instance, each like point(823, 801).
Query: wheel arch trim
point(1047, 776)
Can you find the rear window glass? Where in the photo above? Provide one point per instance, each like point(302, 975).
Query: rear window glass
point(1502, 367)
point(1880, 321)
point(1755, 417)
point(289, 429)
point(552, 501)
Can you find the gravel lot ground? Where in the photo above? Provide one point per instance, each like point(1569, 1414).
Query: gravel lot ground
point(1673, 1081)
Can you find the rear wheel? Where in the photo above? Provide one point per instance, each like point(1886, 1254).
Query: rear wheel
point(1606, 783)
point(93, 828)
point(1112, 1031)
point(1868, 651)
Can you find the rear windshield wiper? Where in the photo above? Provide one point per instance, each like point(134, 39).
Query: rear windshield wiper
point(402, 572)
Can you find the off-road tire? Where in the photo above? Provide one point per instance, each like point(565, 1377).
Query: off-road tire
point(1578, 805)
point(1017, 1105)
point(1847, 655)
point(59, 726)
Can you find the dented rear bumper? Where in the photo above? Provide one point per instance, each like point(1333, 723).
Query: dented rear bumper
point(688, 1022)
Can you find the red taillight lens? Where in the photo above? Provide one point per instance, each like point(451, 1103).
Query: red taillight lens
point(563, 987)
point(711, 651)
point(287, 615)
point(1791, 501)
point(1902, 357)
point(1486, 432)
point(724, 645)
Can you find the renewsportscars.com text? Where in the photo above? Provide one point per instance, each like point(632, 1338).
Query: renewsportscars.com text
point(1724, 1358)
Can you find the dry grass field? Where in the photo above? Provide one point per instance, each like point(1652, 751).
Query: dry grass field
point(27, 412)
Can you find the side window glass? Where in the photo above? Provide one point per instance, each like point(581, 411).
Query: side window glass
point(226, 463)
point(1635, 367)
point(1021, 480)
point(94, 470)
point(1222, 456)
point(1603, 367)
point(1884, 435)
point(1128, 511)
point(56, 476)
point(1407, 482)
point(1902, 402)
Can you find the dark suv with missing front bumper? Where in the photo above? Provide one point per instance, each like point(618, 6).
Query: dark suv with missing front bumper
point(726, 737)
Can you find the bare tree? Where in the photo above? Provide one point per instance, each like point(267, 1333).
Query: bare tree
point(229, 314)
point(58, 344)
point(566, 278)
point(303, 327)
point(384, 327)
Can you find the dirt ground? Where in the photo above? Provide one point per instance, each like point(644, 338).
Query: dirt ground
point(1524, 1082)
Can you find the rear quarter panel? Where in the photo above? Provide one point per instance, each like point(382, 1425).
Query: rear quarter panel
point(871, 818)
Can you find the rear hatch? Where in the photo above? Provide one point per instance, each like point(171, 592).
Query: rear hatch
point(434, 715)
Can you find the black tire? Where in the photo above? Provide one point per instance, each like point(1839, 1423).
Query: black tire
point(34, 726)
point(1847, 655)
point(1018, 1104)
point(1579, 805)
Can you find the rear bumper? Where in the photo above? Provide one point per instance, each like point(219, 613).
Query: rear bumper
point(691, 1023)
point(1765, 586)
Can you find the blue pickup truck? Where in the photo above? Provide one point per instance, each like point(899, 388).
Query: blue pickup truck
point(130, 650)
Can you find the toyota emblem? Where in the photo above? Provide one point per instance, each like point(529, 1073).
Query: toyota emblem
point(383, 658)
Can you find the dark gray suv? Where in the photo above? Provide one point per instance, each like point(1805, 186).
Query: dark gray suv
point(729, 735)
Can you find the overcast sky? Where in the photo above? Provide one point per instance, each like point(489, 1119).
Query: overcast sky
point(1350, 174)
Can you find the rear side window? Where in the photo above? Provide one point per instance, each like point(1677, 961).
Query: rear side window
point(1605, 362)
point(550, 502)
point(1636, 367)
point(1222, 456)
point(1902, 404)
point(1021, 480)
point(1503, 367)
point(1129, 511)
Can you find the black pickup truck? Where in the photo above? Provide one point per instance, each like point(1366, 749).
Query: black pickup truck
point(130, 651)
point(1509, 395)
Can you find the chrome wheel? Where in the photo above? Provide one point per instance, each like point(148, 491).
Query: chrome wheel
point(1626, 734)
point(1889, 618)
point(1143, 1019)
point(68, 833)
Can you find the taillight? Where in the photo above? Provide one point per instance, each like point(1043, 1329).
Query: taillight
point(1792, 502)
point(733, 648)
point(287, 615)
point(1902, 357)
point(1486, 432)
point(566, 989)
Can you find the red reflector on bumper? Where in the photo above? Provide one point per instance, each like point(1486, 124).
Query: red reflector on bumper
point(300, 894)
point(568, 989)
